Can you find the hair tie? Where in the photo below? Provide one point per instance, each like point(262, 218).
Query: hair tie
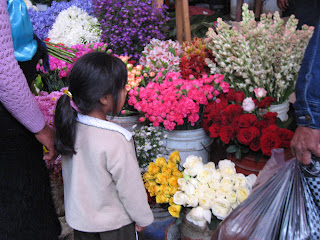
point(68, 93)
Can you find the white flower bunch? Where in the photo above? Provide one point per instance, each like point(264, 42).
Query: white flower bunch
point(160, 54)
point(265, 54)
point(30, 5)
point(75, 26)
point(149, 144)
point(211, 191)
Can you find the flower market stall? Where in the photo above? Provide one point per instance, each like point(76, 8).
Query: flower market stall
point(226, 92)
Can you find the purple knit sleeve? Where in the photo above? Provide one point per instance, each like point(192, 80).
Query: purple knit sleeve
point(15, 94)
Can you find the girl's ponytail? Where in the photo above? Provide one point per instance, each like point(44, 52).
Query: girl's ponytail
point(65, 124)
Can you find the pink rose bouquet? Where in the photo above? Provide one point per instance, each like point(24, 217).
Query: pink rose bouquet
point(176, 102)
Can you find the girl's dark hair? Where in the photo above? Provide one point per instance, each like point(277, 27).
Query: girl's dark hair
point(93, 76)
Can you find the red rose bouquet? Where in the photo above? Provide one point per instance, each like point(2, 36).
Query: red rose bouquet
point(239, 123)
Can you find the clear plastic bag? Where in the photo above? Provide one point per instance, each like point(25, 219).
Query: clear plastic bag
point(276, 208)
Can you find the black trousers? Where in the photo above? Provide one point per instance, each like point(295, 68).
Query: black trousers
point(27, 210)
point(125, 233)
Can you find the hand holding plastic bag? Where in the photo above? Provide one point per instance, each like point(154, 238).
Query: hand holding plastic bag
point(274, 210)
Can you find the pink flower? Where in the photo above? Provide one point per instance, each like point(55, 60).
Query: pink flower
point(260, 92)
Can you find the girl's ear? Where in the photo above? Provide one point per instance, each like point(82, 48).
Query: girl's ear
point(105, 100)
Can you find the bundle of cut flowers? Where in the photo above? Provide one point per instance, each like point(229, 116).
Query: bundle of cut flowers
point(127, 26)
point(138, 75)
point(161, 180)
point(160, 55)
point(264, 54)
point(211, 193)
point(176, 102)
point(242, 124)
point(192, 62)
point(42, 21)
point(149, 144)
point(75, 26)
point(30, 5)
point(55, 78)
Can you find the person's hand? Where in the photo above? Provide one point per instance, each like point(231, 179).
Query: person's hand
point(306, 141)
point(139, 229)
point(46, 137)
point(282, 4)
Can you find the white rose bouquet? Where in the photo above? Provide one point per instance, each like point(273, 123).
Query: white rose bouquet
point(265, 54)
point(211, 192)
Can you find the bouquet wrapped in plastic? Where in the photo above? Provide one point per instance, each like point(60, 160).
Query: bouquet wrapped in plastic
point(284, 204)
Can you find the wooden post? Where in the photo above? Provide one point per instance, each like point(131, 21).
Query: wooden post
point(159, 3)
point(239, 10)
point(179, 21)
point(186, 20)
point(258, 8)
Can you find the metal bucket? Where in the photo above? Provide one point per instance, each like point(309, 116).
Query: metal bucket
point(189, 142)
point(126, 122)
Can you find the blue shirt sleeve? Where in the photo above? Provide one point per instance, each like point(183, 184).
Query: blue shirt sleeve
point(25, 47)
point(307, 105)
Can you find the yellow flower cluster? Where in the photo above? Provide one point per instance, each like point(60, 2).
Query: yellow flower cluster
point(161, 181)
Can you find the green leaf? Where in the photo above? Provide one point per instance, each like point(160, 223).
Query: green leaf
point(231, 149)
point(180, 219)
point(214, 223)
point(238, 154)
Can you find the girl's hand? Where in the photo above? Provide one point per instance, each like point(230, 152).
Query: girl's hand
point(139, 229)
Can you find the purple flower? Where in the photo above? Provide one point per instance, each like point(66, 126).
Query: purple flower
point(43, 21)
point(128, 26)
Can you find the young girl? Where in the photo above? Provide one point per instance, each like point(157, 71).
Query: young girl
point(104, 194)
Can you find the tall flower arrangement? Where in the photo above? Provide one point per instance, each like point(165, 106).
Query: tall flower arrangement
point(176, 102)
point(75, 26)
point(160, 55)
point(127, 26)
point(265, 55)
point(42, 21)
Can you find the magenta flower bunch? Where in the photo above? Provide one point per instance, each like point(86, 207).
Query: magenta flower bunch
point(127, 26)
point(55, 78)
point(47, 103)
point(176, 102)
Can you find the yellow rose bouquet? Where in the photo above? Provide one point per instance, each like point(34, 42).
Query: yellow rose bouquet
point(210, 191)
point(161, 181)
